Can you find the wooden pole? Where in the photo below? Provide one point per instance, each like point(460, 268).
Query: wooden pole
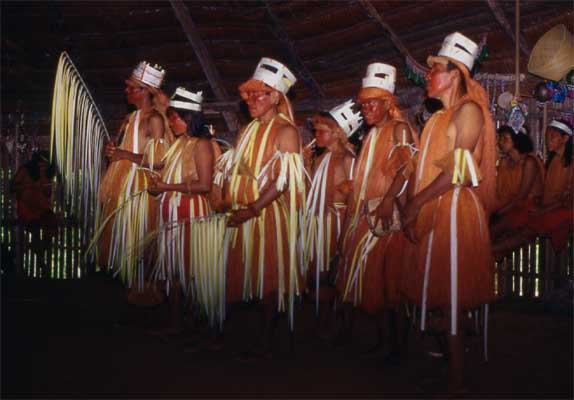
point(505, 24)
point(517, 49)
point(544, 123)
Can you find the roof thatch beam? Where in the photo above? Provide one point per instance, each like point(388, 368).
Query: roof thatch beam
point(505, 24)
point(294, 59)
point(375, 15)
point(190, 29)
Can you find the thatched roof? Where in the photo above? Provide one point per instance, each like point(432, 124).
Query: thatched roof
point(328, 44)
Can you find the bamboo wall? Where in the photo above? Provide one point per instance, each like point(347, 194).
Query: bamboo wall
point(534, 270)
point(52, 256)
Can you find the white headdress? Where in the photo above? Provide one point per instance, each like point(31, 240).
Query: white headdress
point(194, 104)
point(348, 120)
point(382, 76)
point(152, 76)
point(459, 48)
point(274, 74)
point(562, 126)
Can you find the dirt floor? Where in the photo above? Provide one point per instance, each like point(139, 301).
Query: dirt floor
point(79, 339)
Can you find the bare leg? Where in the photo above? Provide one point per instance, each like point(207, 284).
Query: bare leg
point(175, 315)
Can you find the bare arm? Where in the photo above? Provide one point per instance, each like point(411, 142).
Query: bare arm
point(287, 141)
point(384, 212)
point(528, 177)
point(155, 130)
point(204, 163)
point(467, 123)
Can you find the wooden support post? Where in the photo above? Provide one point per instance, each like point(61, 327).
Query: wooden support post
point(517, 50)
point(190, 29)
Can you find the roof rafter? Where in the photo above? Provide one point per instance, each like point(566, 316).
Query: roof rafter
point(190, 29)
point(294, 58)
point(505, 24)
point(375, 15)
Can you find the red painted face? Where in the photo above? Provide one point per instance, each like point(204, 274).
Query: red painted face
point(554, 139)
point(177, 124)
point(374, 110)
point(324, 136)
point(439, 79)
point(134, 94)
point(259, 102)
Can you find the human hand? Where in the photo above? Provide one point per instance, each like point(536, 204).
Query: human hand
point(113, 152)
point(240, 216)
point(410, 213)
point(155, 186)
point(384, 213)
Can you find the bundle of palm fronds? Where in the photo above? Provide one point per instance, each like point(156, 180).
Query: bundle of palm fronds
point(78, 134)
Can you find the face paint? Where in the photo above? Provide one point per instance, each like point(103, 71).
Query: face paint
point(177, 124)
point(258, 102)
point(373, 110)
point(438, 80)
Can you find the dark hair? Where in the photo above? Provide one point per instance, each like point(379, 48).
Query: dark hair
point(327, 114)
point(449, 67)
point(567, 147)
point(194, 120)
point(521, 141)
point(33, 166)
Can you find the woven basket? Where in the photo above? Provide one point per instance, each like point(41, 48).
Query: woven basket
point(553, 55)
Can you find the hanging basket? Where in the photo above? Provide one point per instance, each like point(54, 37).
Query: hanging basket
point(553, 55)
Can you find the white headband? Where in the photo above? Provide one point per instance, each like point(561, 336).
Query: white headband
point(274, 74)
point(193, 105)
point(382, 76)
point(184, 105)
point(348, 120)
point(460, 48)
point(562, 126)
point(152, 76)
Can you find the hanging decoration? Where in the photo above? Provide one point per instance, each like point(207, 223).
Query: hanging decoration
point(542, 93)
point(517, 115)
point(77, 137)
point(518, 112)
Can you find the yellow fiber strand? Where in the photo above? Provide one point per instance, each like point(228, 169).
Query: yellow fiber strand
point(77, 134)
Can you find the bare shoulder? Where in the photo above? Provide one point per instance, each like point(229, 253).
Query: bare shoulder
point(155, 124)
point(154, 117)
point(288, 138)
point(469, 111)
point(402, 128)
point(204, 145)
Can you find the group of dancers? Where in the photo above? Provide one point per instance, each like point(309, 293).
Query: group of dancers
point(401, 226)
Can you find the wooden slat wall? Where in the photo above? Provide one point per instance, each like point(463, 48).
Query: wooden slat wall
point(62, 254)
point(534, 271)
